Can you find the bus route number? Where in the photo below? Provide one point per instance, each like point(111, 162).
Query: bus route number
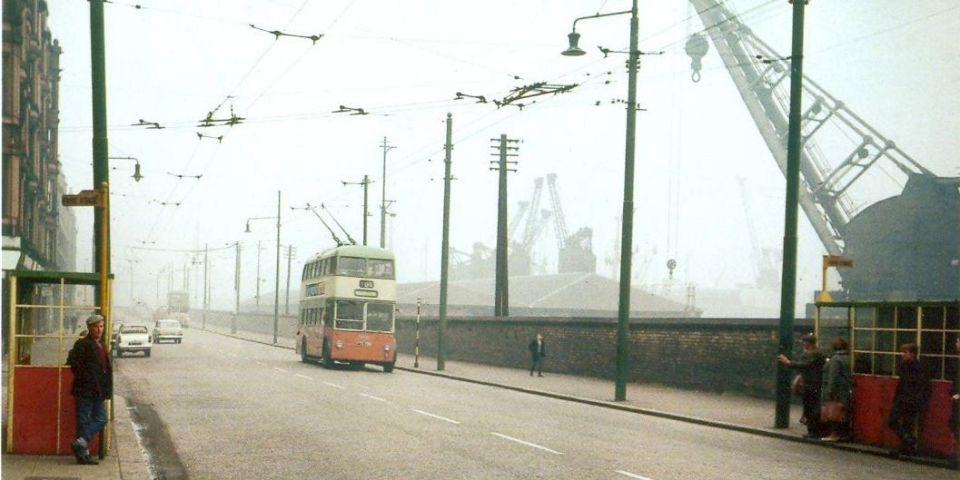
point(366, 283)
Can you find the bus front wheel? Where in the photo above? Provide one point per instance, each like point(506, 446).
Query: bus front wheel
point(327, 361)
point(388, 367)
point(303, 351)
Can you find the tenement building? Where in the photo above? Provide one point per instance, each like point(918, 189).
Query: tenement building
point(38, 234)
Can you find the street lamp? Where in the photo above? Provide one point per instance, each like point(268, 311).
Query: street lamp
point(626, 240)
point(276, 291)
point(136, 167)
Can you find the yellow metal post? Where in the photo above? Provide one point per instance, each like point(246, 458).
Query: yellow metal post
point(11, 360)
point(103, 202)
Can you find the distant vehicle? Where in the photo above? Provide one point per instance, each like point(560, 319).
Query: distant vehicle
point(349, 294)
point(177, 308)
point(133, 338)
point(167, 329)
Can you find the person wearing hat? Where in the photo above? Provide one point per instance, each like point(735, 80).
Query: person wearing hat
point(92, 384)
point(810, 364)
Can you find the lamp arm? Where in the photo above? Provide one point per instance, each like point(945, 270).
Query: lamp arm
point(598, 15)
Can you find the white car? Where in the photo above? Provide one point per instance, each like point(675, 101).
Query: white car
point(167, 329)
point(133, 338)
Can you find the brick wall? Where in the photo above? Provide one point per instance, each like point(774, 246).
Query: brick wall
point(704, 354)
point(720, 355)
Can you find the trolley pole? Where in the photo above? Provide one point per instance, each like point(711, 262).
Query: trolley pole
point(444, 249)
point(789, 279)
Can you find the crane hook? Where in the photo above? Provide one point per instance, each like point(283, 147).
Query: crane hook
point(696, 47)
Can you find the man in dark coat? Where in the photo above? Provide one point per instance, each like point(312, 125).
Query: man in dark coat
point(913, 391)
point(92, 384)
point(810, 365)
point(537, 351)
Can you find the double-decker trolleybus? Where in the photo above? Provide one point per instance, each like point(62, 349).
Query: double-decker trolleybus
point(347, 300)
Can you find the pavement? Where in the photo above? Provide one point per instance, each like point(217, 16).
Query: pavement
point(126, 459)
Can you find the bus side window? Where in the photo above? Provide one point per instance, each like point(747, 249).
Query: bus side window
point(332, 266)
point(303, 316)
point(320, 316)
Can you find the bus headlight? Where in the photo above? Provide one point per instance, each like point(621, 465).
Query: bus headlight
point(339, 343)
point(386, 348)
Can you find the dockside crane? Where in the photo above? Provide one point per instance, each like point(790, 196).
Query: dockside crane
point(901, 246)
point(575, 252)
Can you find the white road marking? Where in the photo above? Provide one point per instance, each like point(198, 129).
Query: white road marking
point(632, 475)
point(303, 376)
point(334, 385)
point(279, 369)
point(524, 442)
point(261, 363)
point(438, 417)
point(373, 398)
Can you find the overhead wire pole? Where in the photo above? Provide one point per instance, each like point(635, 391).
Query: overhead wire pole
point(101, 178)
point(626, 235)
point(290, 254)
point(206, 296)
point(383, 196)
point(626, 242)
point(236, 286)
point(789, 279)
point(501, 302)
point(444, 250)
point(276, 284)
point(365, 183)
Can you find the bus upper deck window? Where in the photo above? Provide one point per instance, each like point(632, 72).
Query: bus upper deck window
point(352, 267)
point(379, 268)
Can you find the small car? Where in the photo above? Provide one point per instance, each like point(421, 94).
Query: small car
point(133, 338)
point(167, 329)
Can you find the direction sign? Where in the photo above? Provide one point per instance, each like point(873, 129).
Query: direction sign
point(86, 198)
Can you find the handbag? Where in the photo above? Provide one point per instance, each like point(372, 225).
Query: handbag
point(797, 385)
point(831, 411)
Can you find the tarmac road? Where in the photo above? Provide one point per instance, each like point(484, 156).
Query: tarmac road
point(217, 407)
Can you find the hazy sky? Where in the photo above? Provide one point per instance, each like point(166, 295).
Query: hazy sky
point(894, 63)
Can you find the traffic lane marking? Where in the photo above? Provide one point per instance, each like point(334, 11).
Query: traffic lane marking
point(334, 385)
point(373, 397)
point(632, 475)
point(524, 442)
point(438, 417)
point(280, 369)
point(302, 376)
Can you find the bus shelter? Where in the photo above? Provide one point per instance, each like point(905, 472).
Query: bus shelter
point(875, 332)
point(47, 314)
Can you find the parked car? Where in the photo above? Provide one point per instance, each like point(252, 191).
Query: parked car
point(133, 338)
point(167, 329)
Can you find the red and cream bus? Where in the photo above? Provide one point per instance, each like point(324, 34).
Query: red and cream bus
point(348, 296)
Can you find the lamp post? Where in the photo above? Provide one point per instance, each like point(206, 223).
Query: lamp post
point(276, 291)
point(626, 240)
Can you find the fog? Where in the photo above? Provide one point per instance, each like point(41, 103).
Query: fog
point(704, 177)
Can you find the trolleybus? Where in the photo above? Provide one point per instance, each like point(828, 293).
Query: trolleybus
point(348, 296)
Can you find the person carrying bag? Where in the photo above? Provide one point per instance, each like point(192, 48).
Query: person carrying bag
point(836, 393)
